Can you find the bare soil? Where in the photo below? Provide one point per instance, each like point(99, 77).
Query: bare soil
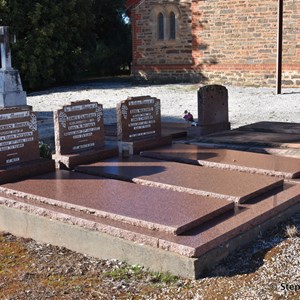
point(269, 268)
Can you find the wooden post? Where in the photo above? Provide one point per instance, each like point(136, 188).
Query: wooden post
point(279, 47)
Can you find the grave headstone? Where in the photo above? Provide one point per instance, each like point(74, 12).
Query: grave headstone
point(78, 127)
point(18, 136)
point(19, 146)
point(139, 118)
point(212, 111)
point(11, 90)
point(139, 124)
point(79, 134)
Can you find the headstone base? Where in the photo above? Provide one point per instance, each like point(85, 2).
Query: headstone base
point(11, 91)
point(129, 148)
point(69, 161)
point(196, 131)
point(12, 99)
point(25, 170)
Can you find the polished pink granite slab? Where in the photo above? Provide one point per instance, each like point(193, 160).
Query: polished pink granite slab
point(221, 230)
point(193, 243)
point(229, 159)
point(223, 184)
point(69, 161)
point(141, 206)
point(26, 170)
point(275, 139)
point(277, 127)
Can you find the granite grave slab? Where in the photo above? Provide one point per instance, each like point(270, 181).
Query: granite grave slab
point(276, 127)
point(253, 138)
point(129, 203)
point(228, 159)
point(188, 254)
point(224, 184)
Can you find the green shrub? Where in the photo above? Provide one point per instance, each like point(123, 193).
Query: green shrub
point(46, 150)
point(58, 40)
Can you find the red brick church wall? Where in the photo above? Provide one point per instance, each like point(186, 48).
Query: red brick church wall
point(218, 41)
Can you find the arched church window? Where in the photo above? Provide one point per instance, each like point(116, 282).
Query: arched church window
point(161, 26)
point(172, 20)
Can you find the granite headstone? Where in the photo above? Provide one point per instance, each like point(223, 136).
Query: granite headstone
point(139, 125)
point(18, 136)
point(212, 111)
point(79, 134)
point(19, 145)
point(79, 127)
point(139, 118)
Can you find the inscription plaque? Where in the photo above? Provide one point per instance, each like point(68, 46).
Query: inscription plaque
point(18, 136)
point(79, 127)
point(139, 118)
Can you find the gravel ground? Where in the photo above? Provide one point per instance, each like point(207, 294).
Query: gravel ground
point(267, 269)
point(246, 105)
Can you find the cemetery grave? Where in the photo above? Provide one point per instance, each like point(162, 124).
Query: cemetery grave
point(222, 184)
point(175, 207)
point(227, 159)
point(179, 208)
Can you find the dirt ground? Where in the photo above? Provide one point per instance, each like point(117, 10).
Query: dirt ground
point(266, 269)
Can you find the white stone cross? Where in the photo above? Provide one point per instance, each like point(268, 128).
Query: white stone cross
point(5, 48)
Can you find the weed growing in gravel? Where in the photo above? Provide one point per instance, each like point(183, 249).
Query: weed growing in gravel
point(291, 231)
point(166, 278)
point(125, 272)
point(136, 271)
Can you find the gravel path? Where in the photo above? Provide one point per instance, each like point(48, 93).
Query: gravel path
point(246, 105)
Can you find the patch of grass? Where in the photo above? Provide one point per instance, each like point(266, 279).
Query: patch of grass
point(118, 274)
point(125, 272)
point(166, 278)
point(136, 271)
